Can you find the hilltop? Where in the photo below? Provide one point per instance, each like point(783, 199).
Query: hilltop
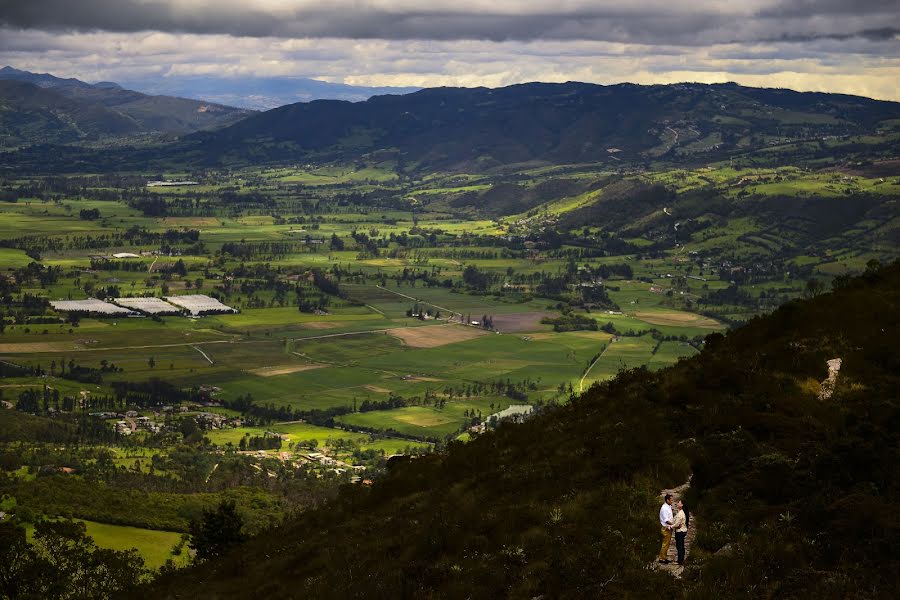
point(795, 492)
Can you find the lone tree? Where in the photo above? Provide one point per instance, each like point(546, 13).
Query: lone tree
point(814, 287)
point(216, 531)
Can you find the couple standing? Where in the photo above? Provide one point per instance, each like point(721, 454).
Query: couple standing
point(672, 523)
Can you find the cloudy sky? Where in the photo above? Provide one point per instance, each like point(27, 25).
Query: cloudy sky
point(850, 46)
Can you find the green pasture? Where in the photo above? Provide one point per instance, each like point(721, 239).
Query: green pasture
point(10, 258)
point(669, 353)
point(155, 547)
point(296, 432)
point(393, 446)
point(426, 421)
point(625, 353)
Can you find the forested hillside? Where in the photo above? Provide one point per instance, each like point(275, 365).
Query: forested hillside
point(43, 109)
point(795, 493)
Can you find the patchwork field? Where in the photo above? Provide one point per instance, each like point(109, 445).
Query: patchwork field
point(437, 335)
point(522, 322)
point(284, 370)
point(326, 289)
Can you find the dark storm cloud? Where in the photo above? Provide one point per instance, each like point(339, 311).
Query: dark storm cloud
point(643, 21)
point(130, 16)
point(876, 35)
point(805, 8)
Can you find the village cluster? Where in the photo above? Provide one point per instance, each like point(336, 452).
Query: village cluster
point(131, 421)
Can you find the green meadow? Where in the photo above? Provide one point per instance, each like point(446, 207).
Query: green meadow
point(155, 547)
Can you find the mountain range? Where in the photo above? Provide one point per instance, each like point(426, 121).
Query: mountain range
point(480, 128)
point(457, 129)
point(42, 108)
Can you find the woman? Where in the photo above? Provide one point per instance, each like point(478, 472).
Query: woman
point(680, 527)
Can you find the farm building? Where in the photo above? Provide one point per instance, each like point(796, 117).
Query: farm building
point(91, 306)
point(150, 306)
point(170, 183)
point(199, 304)
point(126, 255)
point(210, 420)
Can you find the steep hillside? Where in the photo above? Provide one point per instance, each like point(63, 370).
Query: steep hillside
point(479, 128)
point(33, 115)
point(43, 109)
point(794, 494)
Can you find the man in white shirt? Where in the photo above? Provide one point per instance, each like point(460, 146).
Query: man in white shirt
point(665, 523)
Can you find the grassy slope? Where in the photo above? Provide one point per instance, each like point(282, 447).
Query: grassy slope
point(520, 513)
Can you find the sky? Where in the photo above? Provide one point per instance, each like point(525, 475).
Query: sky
point(848, 46)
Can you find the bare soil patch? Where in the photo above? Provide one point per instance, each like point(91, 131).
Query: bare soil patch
point(284, 369)
point(320, 325)
point(436, 335)
point(376, 389)
point(35, 347)
point(423, 419)
point(678, 318)
point(521, 322)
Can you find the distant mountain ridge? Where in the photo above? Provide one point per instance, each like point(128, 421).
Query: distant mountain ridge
point(46, 80)
point(259, 93)
point(42, 108)
point(540, 123)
